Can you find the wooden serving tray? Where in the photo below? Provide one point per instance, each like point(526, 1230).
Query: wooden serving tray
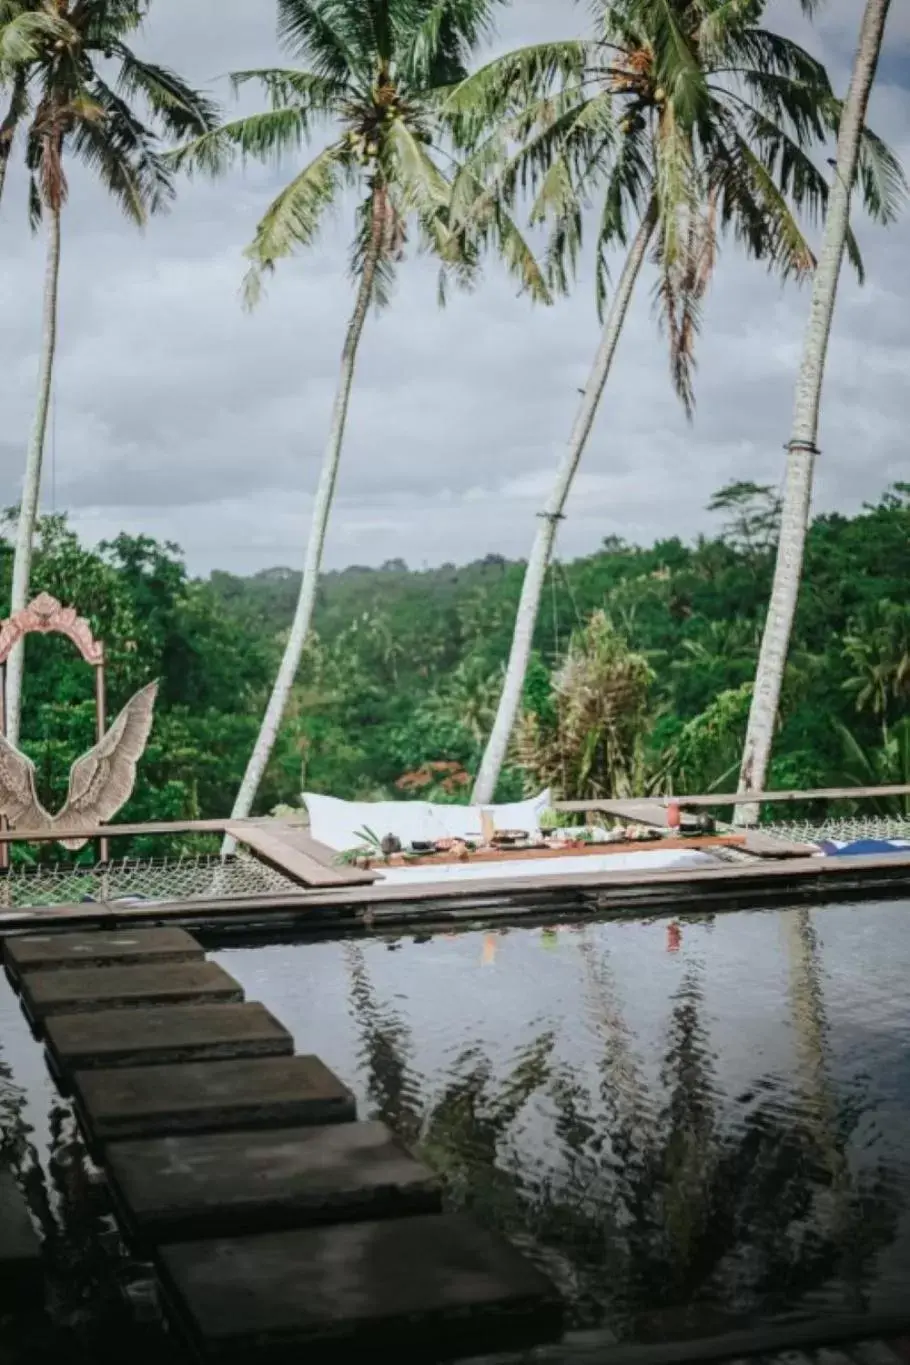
point(508, 855)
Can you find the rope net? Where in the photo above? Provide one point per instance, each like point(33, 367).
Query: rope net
point(189, 877)
point(842, 829)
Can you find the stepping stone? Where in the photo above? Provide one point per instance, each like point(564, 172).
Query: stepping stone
point(153, 1101)
point(177, 1189)
point(175, 1033)
point(48, 952)
point(104, 988)
point(21, 1268)
point(429, 1289)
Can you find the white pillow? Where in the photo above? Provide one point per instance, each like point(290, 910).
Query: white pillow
point(337, 823)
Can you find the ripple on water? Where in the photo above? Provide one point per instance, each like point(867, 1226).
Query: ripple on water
point(689, 1126)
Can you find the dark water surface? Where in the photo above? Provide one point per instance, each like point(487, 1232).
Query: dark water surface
point(690, 1129)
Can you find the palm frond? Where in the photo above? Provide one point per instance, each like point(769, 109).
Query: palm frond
point(507, 85)
point(676, 61)
point(420, 183)
point(264, 137)
point(24, 34)
point(437, 37)
point(881, 177)
point(294, 218)
point(124, 154)
point(180, 110)
point(317, 95)
point(328, 36)
point(484, 218)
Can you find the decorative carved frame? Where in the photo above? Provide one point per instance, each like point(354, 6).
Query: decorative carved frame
point(44, 615)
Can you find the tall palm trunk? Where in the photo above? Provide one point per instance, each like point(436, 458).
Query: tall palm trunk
point(535, 573)
point(801, 449)
point(31, 486)
point(300, 626)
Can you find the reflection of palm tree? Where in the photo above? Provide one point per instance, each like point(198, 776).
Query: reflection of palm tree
point(85, 1261)
point(629, 1197)
point(818, 1096)
point(460, 1132)
point(688, 1211)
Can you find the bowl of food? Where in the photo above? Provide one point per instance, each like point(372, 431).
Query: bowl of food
point(510, 836)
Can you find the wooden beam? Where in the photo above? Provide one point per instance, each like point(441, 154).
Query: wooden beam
point(741, 798)
point(163, 827)
point(290, 859)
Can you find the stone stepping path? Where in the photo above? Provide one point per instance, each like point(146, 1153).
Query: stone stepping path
point(220, 1184)
point(77, 990)
point(427, 1289)
point(157, 1101)
point(171, 1034)
point(48, 952)
point(277, 1222)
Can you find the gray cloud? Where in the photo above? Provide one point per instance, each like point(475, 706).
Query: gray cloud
point(181, 415)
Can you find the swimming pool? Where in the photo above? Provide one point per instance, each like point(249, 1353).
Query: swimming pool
point(690, 1125)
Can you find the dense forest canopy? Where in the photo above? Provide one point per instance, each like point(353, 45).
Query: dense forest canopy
point(404, 667)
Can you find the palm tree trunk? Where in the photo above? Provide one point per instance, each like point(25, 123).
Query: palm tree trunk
point(31, 485)
point(300, 626)
point(802, 449)
point(535, 573)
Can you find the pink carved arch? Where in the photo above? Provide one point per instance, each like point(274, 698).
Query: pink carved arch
point(45, 616)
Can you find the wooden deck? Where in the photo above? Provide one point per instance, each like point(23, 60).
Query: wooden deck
point(364, 908)
point(324, 896)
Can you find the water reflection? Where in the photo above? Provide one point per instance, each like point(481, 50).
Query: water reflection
point(689, 1127)
point(95, 1292)
point(664, 1119)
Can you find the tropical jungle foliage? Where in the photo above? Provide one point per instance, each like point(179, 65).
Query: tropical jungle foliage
point(403, 669)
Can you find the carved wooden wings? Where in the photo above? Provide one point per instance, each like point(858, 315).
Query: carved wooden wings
point(101, 781)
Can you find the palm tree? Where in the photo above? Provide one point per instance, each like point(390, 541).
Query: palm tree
point(376, 71)
point(24, 26)
point(686, 120)
point(882, 176)
point(67, 107)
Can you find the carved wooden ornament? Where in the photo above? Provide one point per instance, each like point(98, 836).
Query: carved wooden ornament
point(45, 616)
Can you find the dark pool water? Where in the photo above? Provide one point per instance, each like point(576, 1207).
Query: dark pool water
point(689, 1128)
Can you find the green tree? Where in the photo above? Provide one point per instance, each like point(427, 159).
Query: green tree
point(882, 182)
point(687, 121)
point(76, 86)
point(375, 70)
point(600, 706)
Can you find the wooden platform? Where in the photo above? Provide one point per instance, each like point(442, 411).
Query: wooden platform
point(426, 1289)
point(77, 990)
point(268, 1092)
point(229, 1184)
point(291, 851)
point(21, 1268)
point(52, 952)
point(177, 1033)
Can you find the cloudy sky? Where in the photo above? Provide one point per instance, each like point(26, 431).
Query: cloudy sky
point(179, 415)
